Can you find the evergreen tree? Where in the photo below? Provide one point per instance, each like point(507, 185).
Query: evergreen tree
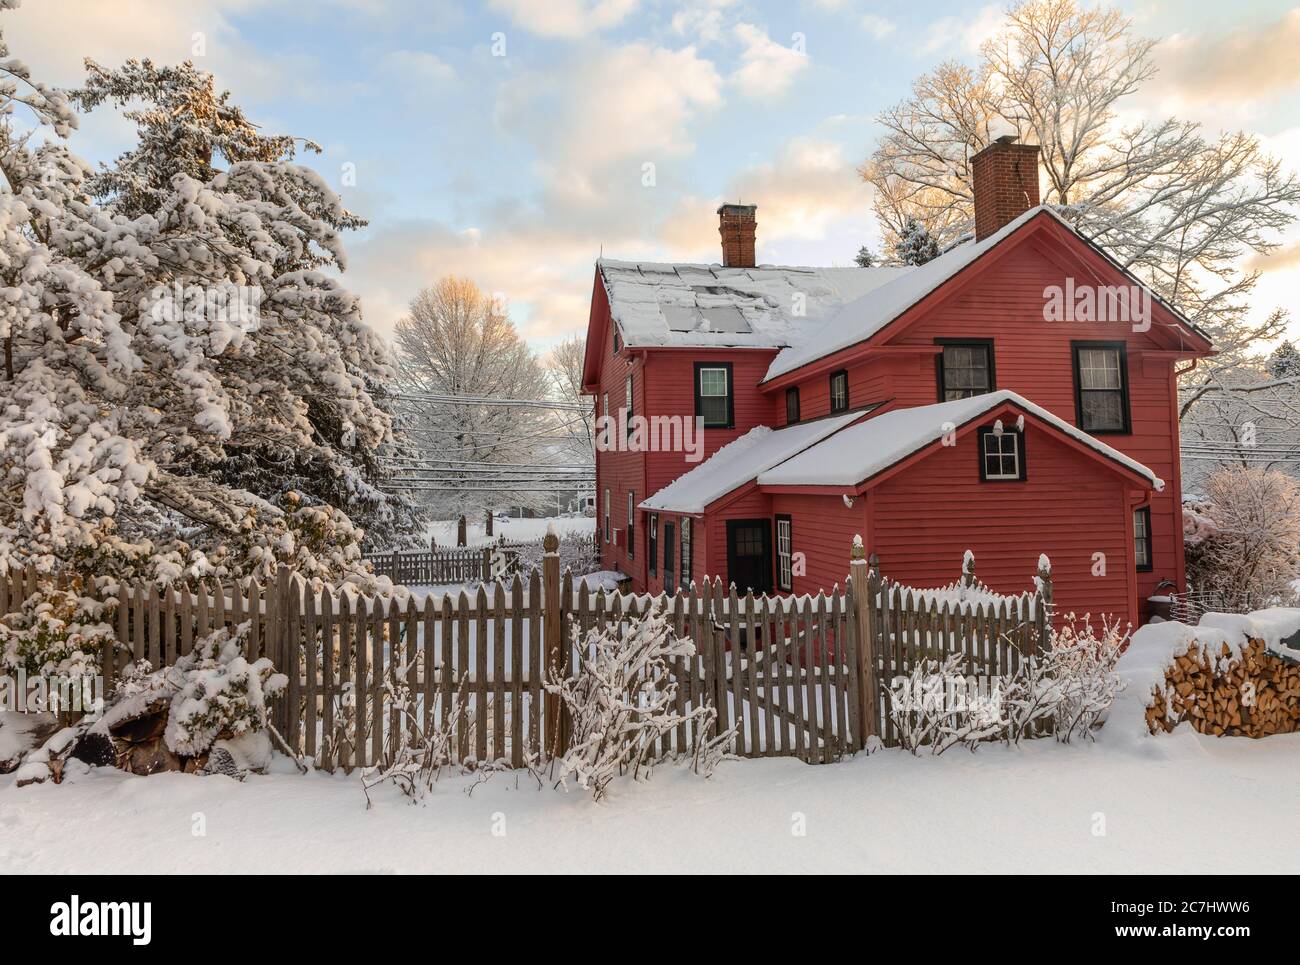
point(155, 416)
point(864, 258)
point(1284, 363)
point(915, 246)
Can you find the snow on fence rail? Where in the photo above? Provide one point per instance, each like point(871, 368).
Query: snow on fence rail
point(793, 676)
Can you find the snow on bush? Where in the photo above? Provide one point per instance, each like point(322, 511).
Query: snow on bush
point(578, 552)
point(936, 708)
point(1247, 537)
point(413, 766)
point(1066, 688)
point(1081, 665)
point(56, 633)
point(214, 693)
point(621, 705)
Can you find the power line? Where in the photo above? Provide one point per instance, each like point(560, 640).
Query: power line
point(437, 398)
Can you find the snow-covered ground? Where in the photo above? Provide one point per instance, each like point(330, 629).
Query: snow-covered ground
point(1182, 803)
point(1128, 803)
point(522, 530)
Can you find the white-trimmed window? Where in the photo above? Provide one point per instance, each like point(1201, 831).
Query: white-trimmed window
point(1101, 387)
point(686, 551)
point(839, 391)
point(627, 389)
point(607, 526)
point(713, 402)
point(784, 553)
point(631, 524)
point(652, 542)
point(1001, 456)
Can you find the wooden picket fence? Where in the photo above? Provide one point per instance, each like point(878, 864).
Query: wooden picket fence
point(788, 676)
point(441, 567)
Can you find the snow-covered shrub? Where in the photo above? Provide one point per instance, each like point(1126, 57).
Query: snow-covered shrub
point(414, 765)
point(214, 694)
point(936, 707)
point(1248, 553)
point(1069, 686)
point(56, 633)
point(1082, 663)
point(621, 701)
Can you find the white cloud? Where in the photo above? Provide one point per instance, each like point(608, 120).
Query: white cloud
point(964, 34)
point(767, 68)
point(878, 26)
point(626, 105)
point(416, 65)
point(566, 18)
point(808, 192)
point(1250, 62)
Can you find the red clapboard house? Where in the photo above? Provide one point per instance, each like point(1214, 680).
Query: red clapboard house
point(1010, 397)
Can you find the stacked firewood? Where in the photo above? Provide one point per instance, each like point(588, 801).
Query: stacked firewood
point(1253, 694)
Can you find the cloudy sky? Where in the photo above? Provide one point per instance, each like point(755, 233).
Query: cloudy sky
point(514, 140)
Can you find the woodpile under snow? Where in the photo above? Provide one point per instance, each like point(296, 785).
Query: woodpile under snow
point(1233, 692)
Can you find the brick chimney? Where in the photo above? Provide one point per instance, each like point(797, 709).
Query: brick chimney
point(1006, 183)
point(737, 225)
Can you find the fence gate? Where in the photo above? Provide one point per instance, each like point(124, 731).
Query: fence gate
point(784, 673)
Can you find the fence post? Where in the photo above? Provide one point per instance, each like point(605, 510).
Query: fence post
point(461, 538)
point(487, 523)
point(865, 587)
point(487, 564)
point(1043, 611)
point(552, 636)
point(277, 648)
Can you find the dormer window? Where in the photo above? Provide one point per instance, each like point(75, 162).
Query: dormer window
point(791, 405)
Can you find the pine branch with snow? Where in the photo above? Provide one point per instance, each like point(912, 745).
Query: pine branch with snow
point(148, 411)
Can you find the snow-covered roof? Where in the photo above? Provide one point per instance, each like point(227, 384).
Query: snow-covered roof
point(700, 306)
point(861, 451)
point(740, 461)
point(865, 316)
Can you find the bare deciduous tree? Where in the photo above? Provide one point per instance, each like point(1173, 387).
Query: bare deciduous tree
point(564, 367)
point(456, 340)
point(1176, 207)
point(1251, 555)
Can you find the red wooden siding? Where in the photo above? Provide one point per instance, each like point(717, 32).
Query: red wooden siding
point(1034, 358)
point(822, 528)
point(923, 519)
point(618, 471)
point(670, 391)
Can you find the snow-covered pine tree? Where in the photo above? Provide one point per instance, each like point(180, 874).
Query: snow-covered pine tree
point(864, 258)
point(915, 246)
point(1284, 363)
point(121, 403)
point(186, 128)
